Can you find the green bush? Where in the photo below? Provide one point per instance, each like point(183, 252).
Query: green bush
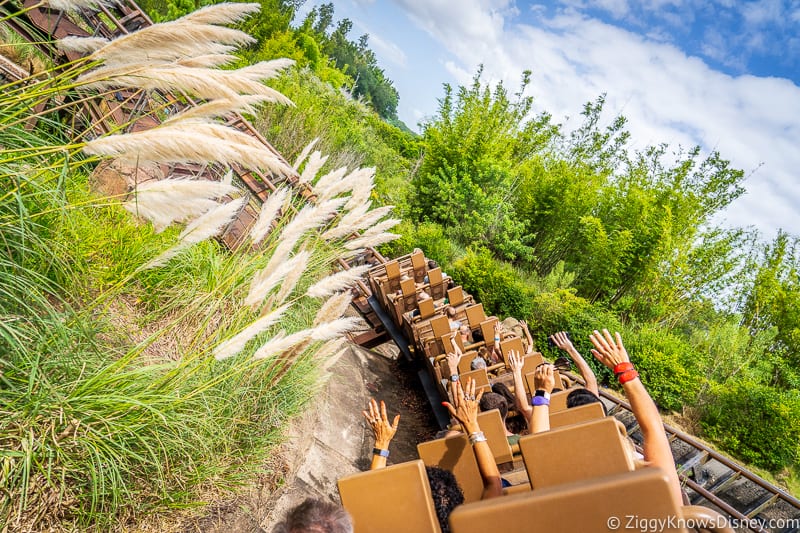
point(667, 366)
point(494, 283)
point(427, 236)
point(562, 310)
point(755, 422)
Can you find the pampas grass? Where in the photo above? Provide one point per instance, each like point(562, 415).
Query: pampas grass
point(371, 240)
point(164, 202)
point(169, 41)
point(315, 163)
point(335, 328)
point(268, 278)
point(188, 141)
point(204, 227)
point(326, 181)
point(380, 227)
point(290, 281)
point(225, 13)
point(207, 60)
point(356, 220)
point(81, 45)
point(333, 308)
point(236, 344)
point(220, 107)
point(269, 211)
point(201, 82)
point(73, 5)
point(304, 153)
point(281, 342)
point(337, 282)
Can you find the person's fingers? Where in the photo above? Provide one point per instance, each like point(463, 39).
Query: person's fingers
point(396, 422)
point(373, 408)
point(619, 340)
point(609, 339)
point(479, 396)
point(366, 415)
point(471, 386)
point(383, 412)
point(599, 341)
point(451, 409)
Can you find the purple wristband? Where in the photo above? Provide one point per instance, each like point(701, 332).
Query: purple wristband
point(540, 400)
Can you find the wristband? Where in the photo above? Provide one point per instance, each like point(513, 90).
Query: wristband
point(539, 401)
point(378, 451)
point(497, 338)
point(454, 378)
point(543, 393)
point(622, 367)
point(628, 375)
point(477, 437)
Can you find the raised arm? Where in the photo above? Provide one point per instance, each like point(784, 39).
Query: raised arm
point(544, 379)
point(610, 351)
point(465, 408)
point(383, 431)
point(520, 398)
point(528, 338)
point(561, 339)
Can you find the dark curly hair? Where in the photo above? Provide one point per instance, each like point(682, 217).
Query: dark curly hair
point(446, 493)
point(492, 400)
point(581, 396)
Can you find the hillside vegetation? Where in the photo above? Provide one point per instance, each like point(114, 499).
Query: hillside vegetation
point(114, 404)
point(572, 230)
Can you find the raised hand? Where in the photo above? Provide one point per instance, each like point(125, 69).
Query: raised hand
point(544, 377)
point(379, 422)
point(609, 350)
point(515, 362)
point(561, 340)
point(465, 404)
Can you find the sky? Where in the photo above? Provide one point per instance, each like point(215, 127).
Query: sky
point(721, 74)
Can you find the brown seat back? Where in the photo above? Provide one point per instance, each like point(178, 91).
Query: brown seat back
point(436, 283)
point(512, 343)
point(529, 364)
point(491, 423)
point(440, 326)
point(465, 365)
point(419, 265)
point(392, 499)
point(480, 378)
point(585, 507)
point(392, 270)
point(455, 296)
point(475, 315)
point(455, 454)
point(576, 415)
point(487, 330)
point(426, 309)
point(576, 453)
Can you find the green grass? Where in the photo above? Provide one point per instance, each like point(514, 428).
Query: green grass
point(111, 405)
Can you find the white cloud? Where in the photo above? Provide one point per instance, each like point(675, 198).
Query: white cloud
point(388, 49)
point(666, 95)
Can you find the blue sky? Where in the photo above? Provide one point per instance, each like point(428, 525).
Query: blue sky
point(722, 74)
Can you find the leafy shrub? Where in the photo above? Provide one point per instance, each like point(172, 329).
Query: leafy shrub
point(562, 310)
point(757, 423)
point(427, 236)
point(494, 283)
point(667, 366)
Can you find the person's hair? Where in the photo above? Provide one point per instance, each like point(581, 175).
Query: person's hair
point(432, 264)
point(446, 493)
point(315, 516)
point(451, 312)
point(503, 390)
point(464, 329)
point(583, 396)
point(422, 296)
point(478, 362)
point(492, 400)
